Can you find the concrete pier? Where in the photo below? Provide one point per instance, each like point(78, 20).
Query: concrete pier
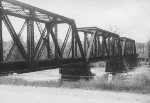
point(120, 65)
point(76, 72)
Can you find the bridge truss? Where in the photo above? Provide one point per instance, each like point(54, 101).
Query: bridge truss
point(97, 45)
point(102, 44)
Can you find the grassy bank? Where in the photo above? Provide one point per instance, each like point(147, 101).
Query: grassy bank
point(137, 84)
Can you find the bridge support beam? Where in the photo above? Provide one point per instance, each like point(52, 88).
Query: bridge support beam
point(76, 72)
point(30, 41)
point(1, 39)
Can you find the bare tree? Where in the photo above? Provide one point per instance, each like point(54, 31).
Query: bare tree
point(149, 51)
point(115, 30)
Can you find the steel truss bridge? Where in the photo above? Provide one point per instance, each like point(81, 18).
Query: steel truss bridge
point(80, 45)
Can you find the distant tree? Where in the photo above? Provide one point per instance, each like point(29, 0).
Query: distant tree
point(149, 51)
point(114, 30)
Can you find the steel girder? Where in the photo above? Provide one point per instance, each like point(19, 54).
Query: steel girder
point(1, 38)
point(101, 32)
point(22, 10)
point(109, 45)
point(30, 40)
point(56, 38)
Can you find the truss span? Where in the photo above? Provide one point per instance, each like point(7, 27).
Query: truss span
point(49, 50)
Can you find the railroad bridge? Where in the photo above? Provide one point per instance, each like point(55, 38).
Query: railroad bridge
point(60, 44)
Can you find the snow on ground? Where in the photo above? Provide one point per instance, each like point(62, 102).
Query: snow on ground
point(140, 70)
point(40, 75)
point(99, 71)
point(52, 74)
point(21, 94)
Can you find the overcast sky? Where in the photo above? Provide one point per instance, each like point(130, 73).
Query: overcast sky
point(130, 18)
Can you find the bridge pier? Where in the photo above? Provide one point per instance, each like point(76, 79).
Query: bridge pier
point(121, 65)
point(76, 72)
point(131, 62)
point(115, 65)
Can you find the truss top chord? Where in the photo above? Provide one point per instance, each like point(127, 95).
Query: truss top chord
point(22, 10)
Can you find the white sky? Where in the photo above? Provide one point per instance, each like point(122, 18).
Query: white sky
point(130, 18)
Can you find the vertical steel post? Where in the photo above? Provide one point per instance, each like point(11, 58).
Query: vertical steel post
point(134, 47)
point(73, 36)
point(103, 46)
point(115, 46)
point(112, 45)
point(128, 47)
point(125, 48)
point(56, 37)
point(92, 49)
point(76, 35)
point(99, 47)
point(106, 47)
point(30, 39)
point(100, 42)
point(119, 47)
point(85, 43)
point(76, 53)
point(109, 46)
point(1, 38)
point(48, 44)
point(96, 45)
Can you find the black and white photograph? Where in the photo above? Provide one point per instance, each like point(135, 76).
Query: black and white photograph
point(74, 51)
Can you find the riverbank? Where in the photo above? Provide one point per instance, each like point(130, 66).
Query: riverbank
point(135, 81)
